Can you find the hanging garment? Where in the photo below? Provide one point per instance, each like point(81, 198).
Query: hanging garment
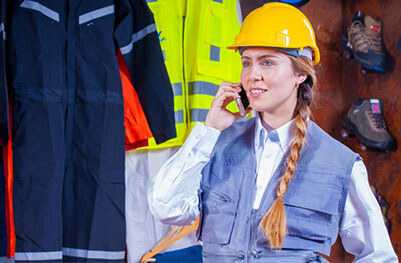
point(194, 35)
point(3, 214)
point(143, 230)
point(4, 194)
point(68, 136)
point(7, 230)
point(136, 127)
point(3, 87)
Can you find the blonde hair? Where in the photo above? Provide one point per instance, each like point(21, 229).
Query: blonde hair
point(274, 222)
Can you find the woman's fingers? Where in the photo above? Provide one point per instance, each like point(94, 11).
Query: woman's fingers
point(228, 87)
point(224, 98)
point(218, 116)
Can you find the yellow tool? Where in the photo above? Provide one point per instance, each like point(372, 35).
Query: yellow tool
point(175, 234)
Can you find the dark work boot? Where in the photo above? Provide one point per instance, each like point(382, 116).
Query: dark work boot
point(366, 121)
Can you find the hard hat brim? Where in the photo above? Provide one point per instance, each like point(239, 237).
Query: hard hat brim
point(316, 53)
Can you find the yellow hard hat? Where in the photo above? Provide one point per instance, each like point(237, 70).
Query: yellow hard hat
point(278, 25)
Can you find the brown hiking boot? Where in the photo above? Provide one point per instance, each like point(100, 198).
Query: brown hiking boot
point(364, 42)
point(366, 121)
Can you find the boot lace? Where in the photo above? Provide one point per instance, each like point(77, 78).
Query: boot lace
point(377, 119)
point(374, 40)
point(357, 37)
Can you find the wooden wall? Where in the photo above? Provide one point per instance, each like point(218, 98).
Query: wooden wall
point(341, 82)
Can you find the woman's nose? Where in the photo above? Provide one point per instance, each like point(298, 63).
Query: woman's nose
point(255, 73)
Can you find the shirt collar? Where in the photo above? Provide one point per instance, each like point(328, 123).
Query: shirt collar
point(281, 135)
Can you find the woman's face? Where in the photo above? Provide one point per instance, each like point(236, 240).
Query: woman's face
point(269, 80)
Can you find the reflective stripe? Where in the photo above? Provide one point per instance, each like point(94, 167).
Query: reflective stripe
point(150, 1)
point(214, 53)
point(94, 254)
point(6, 260)
point(33, 256)
point(3, 31)
point(218, 1)
point(138, 36)
point(177, 89)
point(205, 88)
point(108, 10)
point(41, 8)
point(179, 116)
point(198, 115)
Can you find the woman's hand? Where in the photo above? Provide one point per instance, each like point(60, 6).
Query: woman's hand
point(218, 116)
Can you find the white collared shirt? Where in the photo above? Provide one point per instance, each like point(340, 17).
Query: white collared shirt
point(173, 197)
point(269, 150)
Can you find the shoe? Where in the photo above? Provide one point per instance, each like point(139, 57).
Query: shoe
point(364, 42)
point(365, 120)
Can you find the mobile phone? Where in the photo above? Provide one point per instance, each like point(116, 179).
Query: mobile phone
point(242, 102)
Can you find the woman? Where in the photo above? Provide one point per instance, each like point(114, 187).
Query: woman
point(275, 188)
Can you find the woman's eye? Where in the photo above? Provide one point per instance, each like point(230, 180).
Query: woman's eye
point(267, 63)
point(245, 64)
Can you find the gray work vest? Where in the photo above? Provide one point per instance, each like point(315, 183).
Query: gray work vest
point(314, 201)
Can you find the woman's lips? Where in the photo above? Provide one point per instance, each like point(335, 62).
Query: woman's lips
point(256, 92)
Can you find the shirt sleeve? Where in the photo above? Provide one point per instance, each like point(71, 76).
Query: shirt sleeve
point(137, 39)
point(363, 232)
point(173, 195)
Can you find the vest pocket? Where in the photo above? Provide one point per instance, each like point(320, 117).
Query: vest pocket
point(218, 217)
point(306, 229)
point(219, 27)
point(312, 210)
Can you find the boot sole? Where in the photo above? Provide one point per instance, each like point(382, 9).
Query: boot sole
point(369, 67)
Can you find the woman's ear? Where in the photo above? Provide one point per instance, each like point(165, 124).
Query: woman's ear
point(300, 78)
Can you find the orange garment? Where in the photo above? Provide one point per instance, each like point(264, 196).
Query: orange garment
point(9, 181)
point(137, 131)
